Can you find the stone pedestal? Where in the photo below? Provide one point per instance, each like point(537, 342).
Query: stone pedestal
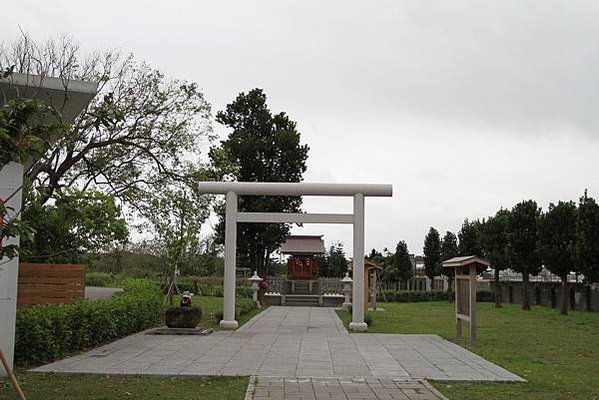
point(183, 317)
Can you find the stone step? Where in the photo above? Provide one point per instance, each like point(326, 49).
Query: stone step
point(301, 300)
point(298, 292)
point(302, 288)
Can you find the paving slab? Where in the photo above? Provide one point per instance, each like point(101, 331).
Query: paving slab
point(340, 388)
point(288, 342)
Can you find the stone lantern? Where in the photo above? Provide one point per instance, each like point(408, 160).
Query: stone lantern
point(347, 289)
point(255, 279)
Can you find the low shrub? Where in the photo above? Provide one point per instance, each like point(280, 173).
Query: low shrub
point(414, 296)
point(45, 333)
point(102, 279)
point(244, 291)
point(368, 319)
point(242, 306)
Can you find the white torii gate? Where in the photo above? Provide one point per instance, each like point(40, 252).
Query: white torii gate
point(234, 189)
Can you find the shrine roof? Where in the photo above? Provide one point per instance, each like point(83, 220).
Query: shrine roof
point(303, 244)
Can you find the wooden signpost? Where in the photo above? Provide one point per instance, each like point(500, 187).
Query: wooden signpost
point(465, 291)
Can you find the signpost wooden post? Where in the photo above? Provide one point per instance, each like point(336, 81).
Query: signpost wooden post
point(465, 291)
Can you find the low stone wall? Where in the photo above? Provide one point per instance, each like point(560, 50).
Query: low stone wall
point(332, 301)
point(273, 299)
point(324, 301)
point(582, 297)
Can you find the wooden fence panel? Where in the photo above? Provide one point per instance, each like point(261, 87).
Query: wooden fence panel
point(50, 283)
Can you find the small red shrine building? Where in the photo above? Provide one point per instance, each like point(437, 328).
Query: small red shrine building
point(303, 249)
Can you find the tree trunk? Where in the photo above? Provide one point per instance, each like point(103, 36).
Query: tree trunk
point(261, 263)
point(497, 289)
point(565, 296)
point(525, 292)
point(172, 287)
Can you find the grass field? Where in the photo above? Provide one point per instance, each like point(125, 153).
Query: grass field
point(558, 355)
point(94, 387)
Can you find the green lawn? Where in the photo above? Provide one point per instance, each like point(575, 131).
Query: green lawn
point(94, 387)
point(558, 355)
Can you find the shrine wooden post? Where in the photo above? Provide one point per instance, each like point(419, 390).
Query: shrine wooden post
point(465, 291)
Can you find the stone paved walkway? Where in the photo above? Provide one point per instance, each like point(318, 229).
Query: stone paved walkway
point(269, 388)
point(294, 320)
point(290, 342)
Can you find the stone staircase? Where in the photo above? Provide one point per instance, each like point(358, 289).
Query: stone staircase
point(301, 296)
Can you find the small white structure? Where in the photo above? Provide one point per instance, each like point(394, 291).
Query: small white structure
point(347, 287)
point(232, 216)
point(255, 280)
point(69, 98)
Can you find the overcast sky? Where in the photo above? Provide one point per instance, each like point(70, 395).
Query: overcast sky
point(464, 106)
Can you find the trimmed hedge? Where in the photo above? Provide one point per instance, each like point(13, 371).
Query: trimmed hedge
point(414, 296)
point(46, 333)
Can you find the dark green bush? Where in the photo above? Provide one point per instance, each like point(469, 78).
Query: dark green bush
point(102, 279)
point(409, 296)
point(242, 306)
point(412, 296)
point(368, 319)
point(45, 333)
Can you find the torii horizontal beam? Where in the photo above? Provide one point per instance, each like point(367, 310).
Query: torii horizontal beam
point(296, 189)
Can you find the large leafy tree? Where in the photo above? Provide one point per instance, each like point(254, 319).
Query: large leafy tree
point(24, 133)
point(261, 147)
point(522, 241)
point(449, 249)
point(135, 135)
point(402, 263)
point(469, 243)
point(557, 243)
point(374, 255)
point(334, 262)
point(75, 224)
point(432, 253)
point(494, 245)
point(587, 234)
